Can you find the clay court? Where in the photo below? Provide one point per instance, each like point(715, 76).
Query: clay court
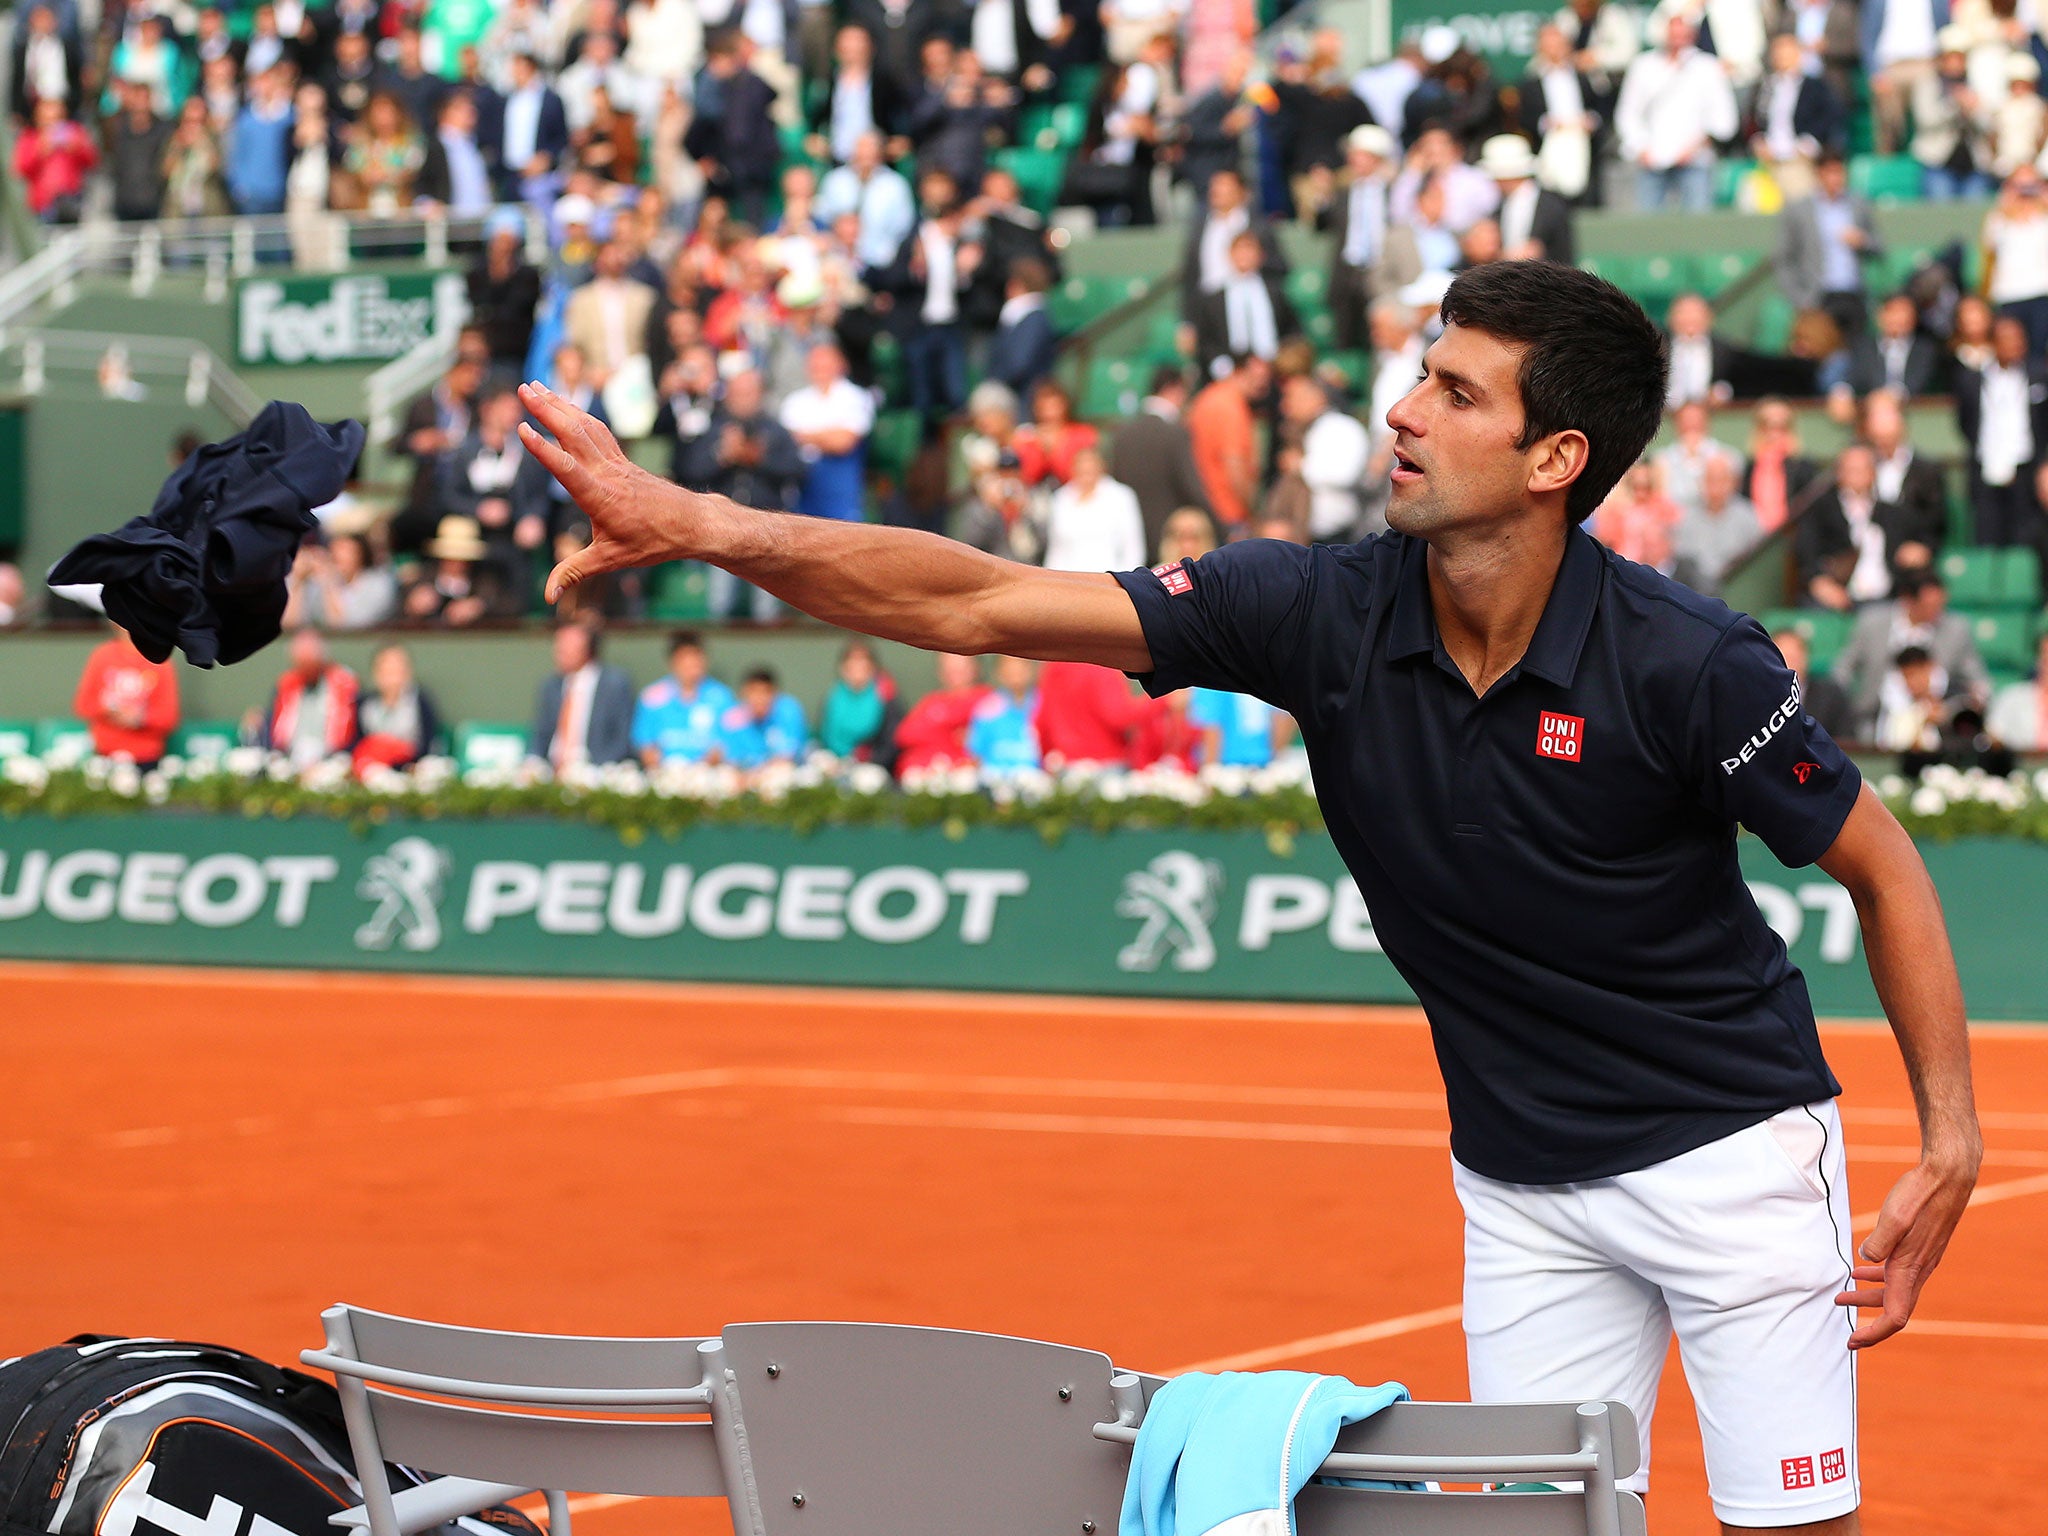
point(218, 1155)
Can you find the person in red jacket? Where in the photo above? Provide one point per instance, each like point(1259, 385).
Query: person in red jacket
point(1088, 714)
point(52, 158)
point(129, 701)
point(312, 713)
point(934, 733)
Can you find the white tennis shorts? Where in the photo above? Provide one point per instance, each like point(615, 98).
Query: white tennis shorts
point(1572, 1292)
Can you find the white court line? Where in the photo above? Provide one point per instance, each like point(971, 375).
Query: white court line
point(1315, 1343)
point(1983, 1194)
point(1128, 1125)
point(1990, 1119)
point(1091, 1088)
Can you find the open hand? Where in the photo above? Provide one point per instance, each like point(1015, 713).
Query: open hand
point(1913, 1228)
point(635, 518)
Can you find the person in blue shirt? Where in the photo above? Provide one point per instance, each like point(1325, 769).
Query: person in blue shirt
point(678, 716)
point(765, 726)
point(1004, 734)
point(1237, 730)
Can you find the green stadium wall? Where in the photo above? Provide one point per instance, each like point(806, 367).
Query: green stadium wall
point(1162, 914)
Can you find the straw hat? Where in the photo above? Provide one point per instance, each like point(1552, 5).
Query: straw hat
point(457, 538)
point(1507, 157)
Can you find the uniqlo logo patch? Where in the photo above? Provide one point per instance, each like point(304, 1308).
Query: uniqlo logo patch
point(1834, 1466)
point(1561, 736)
point(1798, 1471)
point(1175, 578)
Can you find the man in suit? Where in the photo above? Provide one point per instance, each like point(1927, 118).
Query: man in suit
point(1215, 125)
point(1794, 117)
point(532, 137)
point(434, 425)
point(1561, 115)
point(584, 715)
point(46, 63)
point(1823, 242)
point(1154, 455)
point(1356, 218)
point(1249, 314)
point(1227, 213)
point(1913, 484)
point(1917, 615)
point(456, 174)
point(747, 455)
point(860, 100)
point(1850, 544)
point(1706, 367)
point(736, 145)
point(1023, 348)
point(607, 316)
point(2002, 413)
point(1900, 357)
point(1535, 223)
point(1010, 233)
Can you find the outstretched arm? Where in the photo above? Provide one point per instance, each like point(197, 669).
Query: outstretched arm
point(895, 583)
point(1907, 944)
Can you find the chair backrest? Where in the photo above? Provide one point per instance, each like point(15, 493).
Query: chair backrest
point(854, 1429)
point(474, 1403)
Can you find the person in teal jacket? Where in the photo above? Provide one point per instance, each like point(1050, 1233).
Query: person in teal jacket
point(861, 712)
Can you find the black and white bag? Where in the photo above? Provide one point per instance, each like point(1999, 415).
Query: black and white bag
point(109, 1436)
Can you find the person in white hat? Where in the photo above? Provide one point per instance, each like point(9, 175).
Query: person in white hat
point(1951, 124)
point(1535, 223)
point(2019, 123)
point(1367, 255)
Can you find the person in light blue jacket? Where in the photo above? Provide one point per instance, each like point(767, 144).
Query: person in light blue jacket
point(1004, 734)
point(765, 726)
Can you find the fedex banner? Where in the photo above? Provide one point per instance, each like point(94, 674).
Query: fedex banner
point(1188, 914)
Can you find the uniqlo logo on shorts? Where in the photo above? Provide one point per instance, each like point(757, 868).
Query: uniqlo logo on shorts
point(1834, 1466)
point(1175, 578)
point(1560, 736)
point(1799, 1471)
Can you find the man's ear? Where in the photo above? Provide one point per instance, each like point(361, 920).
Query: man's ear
point(1559, 461)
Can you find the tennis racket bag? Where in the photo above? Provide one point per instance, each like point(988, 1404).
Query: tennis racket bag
point(110, 1436)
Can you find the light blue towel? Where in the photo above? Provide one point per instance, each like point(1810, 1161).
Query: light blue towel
point(1225, 1455)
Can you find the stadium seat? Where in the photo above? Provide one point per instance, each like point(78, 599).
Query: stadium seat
point(1309, 289)
point(2019, 579)
point(1826, 632)
point(1713, 271)
point(1162, 336)
point(894, 442)
point(17, 738)
point(1039, 173)
point(1885, 178)
point(205, 739)
point(1115, 387)
point(1081, 301)
point(497, 1413)
point(1773, 323)
point(1355, 366)
point(63, 740)
point(1972, 576)
point(1069, 123)
point(681, 593)
point(2004, 639)
point(486, 744)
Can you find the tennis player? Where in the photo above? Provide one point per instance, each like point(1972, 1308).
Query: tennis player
point(1533, 756)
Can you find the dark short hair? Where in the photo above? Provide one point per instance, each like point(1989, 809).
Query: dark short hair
point(1034, 274)
point(593, 637)
point(1913, 656)
point(1167, 376)
point(1591, 361)
point(1912, 582)
point(759, 675)
point(685, 640)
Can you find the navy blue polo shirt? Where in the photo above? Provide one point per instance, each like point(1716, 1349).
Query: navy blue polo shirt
point(1552, 866)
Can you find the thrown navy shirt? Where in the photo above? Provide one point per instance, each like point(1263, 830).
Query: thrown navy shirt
point(1551, 867)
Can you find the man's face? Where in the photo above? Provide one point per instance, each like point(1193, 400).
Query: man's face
point(1456, 463)
point(1855, 471)
point(1678, 34)
point(1301, 402)
point(1000, 188)
point(1884, 424)
point(852, 48)
point(1833, 177)
point(824, 367)
point(352, 50)
point(1226, 192)
point(391, 672)
point(1390, 329)
point(1927, 604)
point(1792, 646)
point(758, 696)
point(1255, 378)
point(867, 153)
point(309, 653)
point(1690, 317)
point(572, 649)
point(1717, 483)
point(1692, 420)
point(1898, 317)
point(1551, 46)
point(958, 672)
point(460, 118)
point(743, 394)
point(1919, 678)
point(500, 414)
point(2009, 343)
point(688, 665)
point(1787, 56)
point(1245, 255)
point(611, 260)
point(1015, 674)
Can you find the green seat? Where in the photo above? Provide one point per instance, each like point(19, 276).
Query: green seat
point(65, 740)
point(681, 593)
point(1774, 318)
point(205, 739)
point(1162, 335)
point(2004, 639)
point(1039, 173)
point(1069, 123)
point(1078, 82)
point(1713, 271)
point(1825, 631)
point(1728, 174)
point(2019, 579)
point(17, 738)
point(1320, 328)
point(1080, 301)
point(894, 442)
point(1115, 387)
point(1355, 366)
point(1972, 576)
point(1885, 178)
point(1034, 125)
point(489, 744)
point(1309, 288)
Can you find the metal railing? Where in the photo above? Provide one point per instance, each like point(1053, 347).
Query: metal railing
point(128, 367)
point(391, 388)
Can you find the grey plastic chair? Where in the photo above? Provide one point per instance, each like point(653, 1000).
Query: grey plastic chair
point(866, 1429)
point(472, 1405)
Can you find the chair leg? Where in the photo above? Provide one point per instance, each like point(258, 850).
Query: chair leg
point(558, 1512)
